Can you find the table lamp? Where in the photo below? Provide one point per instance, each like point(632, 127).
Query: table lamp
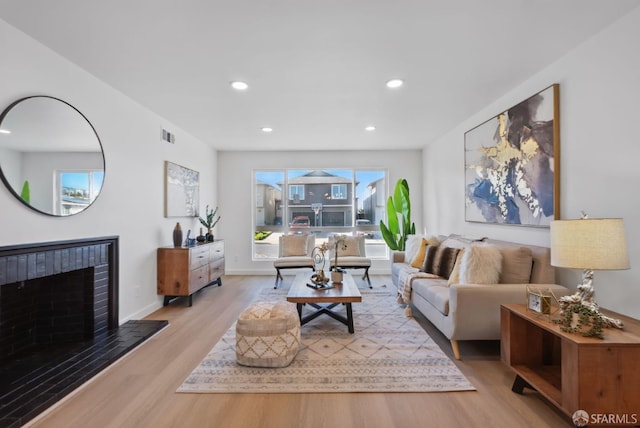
point(589, 244)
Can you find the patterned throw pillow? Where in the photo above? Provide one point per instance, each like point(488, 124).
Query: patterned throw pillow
point(439, 260)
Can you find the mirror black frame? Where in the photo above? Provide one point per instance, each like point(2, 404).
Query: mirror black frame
point(5, 180)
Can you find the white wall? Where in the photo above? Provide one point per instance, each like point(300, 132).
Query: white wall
point(235, 171)
point(600, 151)
point(131, 204)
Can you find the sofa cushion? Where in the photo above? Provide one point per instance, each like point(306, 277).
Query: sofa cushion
point(516, 265)
point(353, 261)
point(293, 261)
point(439, 260)
point(433, 290)
point(481, 264)
point(294, 245)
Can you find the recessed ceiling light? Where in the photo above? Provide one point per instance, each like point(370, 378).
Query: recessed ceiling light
point(266, 129)
point(5, 131)
point(395, 83)
point(239, 85)
point(370, 128)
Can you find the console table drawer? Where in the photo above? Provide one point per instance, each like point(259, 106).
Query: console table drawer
point(198, 257)
point(199, 278)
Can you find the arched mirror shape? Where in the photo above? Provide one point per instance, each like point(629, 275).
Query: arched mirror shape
point(51, 157)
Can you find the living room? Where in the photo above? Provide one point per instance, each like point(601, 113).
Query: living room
point(598, 103)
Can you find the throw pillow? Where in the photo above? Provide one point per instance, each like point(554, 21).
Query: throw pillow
point(294, 245)
point(411, 247)
point(439, 260)
point(516, 265)
point(445, 260)
point(350, 247)
point(454, 278)
point(429, 258)
point(418, 259)
point(481, 264)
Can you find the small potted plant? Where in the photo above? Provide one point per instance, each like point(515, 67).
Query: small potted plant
point(209, 221)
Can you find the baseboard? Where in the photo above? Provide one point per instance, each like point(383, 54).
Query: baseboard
point(147, 310)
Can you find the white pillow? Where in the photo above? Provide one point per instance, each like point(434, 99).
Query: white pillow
point(351, 247)
point(480, 264)
point(294, 245)
point(411, 247)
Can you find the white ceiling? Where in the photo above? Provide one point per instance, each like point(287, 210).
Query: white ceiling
point(316, 69)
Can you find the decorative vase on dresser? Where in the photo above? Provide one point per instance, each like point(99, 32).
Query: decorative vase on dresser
point(177, 236)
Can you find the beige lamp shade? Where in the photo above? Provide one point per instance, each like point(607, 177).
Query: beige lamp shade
point(593, 244)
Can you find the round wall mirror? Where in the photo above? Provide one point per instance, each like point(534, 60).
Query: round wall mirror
point(51, 157)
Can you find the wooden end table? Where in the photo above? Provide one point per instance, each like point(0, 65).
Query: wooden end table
point(346, 294)
point(573, 372)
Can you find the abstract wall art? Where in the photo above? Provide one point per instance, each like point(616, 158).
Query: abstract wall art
point(182, 191)
point(512, 164)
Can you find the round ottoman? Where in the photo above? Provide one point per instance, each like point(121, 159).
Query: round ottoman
point(268, 334)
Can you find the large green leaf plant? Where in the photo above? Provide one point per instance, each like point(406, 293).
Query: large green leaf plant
point(399, 218)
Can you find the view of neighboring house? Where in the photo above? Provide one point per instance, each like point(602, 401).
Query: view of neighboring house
point(323, 197)
point(373, 206)
point(268, 204)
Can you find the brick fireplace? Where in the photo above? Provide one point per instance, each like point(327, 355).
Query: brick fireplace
point(57, 292)
point(59, 322)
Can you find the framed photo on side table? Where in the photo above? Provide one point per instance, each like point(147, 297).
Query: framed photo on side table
point(543, 302)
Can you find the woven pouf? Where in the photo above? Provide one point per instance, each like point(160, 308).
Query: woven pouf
point(268, 334)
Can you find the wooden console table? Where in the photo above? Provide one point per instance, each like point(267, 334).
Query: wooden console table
point(572, 371)
point(184, 270)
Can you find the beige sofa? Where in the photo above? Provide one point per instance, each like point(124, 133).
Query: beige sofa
point(472, 311)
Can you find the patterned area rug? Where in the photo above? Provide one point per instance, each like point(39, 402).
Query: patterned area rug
point(388, 353)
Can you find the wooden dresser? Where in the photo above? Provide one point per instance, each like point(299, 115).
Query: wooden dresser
point(184, 270)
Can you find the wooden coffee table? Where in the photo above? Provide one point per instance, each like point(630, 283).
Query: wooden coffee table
point(347, 293)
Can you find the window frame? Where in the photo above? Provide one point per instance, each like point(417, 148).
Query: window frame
point(286, 208)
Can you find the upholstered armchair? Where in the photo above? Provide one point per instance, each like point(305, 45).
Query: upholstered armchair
point(294, 253)
point(351, 254)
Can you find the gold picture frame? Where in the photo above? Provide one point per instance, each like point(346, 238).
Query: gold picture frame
point(542, 302)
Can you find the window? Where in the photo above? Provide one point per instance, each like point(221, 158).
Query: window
point(76, 190)
point(296, 192)
point(338, 191)
point(322, 202)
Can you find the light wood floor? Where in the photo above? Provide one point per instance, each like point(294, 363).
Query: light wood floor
point(139, 390)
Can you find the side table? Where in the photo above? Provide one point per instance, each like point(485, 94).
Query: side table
point(572, 371)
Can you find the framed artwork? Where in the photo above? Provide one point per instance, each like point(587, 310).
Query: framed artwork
point(182, 191)
point(512, 164)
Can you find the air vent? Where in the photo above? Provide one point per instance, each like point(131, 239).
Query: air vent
point(169, 137)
